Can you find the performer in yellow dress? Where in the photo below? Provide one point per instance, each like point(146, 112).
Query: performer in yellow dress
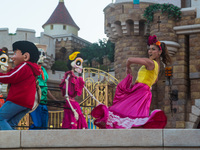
point(131, 103)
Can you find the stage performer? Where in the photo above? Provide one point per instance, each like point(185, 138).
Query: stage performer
point(72, 86)
point(40, 115)
point(131, 103)
point(4, 65)
point(22, 80)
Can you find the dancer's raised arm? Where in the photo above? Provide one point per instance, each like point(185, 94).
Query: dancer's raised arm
point(148, 63)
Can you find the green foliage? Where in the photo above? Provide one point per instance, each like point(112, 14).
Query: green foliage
point(173, 11)
point(97, 51)
point(94, 51)
point(103, 67)
point(60, 65)
point(12, 34)
point(111, 50)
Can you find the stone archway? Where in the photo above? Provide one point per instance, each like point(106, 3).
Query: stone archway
point(194, 116)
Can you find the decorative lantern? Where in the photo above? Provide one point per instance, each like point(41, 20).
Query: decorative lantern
point(168, 71)
point(173, 94)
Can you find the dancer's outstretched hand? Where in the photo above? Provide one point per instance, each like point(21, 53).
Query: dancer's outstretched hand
point(128, 70)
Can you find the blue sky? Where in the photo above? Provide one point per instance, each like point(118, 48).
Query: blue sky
point(32, 14)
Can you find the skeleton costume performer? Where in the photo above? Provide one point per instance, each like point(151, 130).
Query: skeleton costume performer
point(131, 104)
point(3, 64)
point(71, 86)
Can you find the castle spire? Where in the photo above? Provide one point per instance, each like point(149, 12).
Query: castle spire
point(61, 16)
point(60, 22)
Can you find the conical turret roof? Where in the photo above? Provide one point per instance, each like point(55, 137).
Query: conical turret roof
point(61, 16)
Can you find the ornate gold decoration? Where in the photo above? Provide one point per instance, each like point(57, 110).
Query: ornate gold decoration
point(102, 85)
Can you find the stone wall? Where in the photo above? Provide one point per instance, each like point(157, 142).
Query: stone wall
point(126, 47)
point(194, 55)
point(54, 43)
point(196, 4)
point(71, 43)
point(7, 39)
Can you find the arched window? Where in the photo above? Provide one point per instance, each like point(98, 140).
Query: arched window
point(130, 27)
point(63, 50)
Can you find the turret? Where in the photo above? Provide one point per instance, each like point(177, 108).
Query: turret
point(60, 22)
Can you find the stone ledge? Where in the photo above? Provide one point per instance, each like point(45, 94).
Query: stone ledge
point(181, 138)
point(187, 29)
point(25, 30)
point(92, 138)
point(189, 9)
point(3, 29)
point(172, 47)
point(101, 139)
point(10, 139)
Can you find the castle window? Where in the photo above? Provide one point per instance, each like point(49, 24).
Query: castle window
point(51, 27)
point(122, 8)
point(64, 27)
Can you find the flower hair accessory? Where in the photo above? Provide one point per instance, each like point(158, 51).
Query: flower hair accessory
point(73, 55)
point(2, 51)
point(153, 40)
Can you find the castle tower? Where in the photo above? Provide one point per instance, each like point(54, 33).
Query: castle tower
point(62, 28)
point(125, 26)
point(60, 22)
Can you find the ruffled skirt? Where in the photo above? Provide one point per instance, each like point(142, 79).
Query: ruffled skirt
point(69, 121)
point(130, 108)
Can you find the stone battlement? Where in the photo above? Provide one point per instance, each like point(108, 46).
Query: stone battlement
point(101, 139)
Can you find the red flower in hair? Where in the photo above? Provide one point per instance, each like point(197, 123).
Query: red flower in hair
point(2, 51)
point(152, 40)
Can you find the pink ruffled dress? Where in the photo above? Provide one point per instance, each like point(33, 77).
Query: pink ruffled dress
point(131, 104)
point(75, 86)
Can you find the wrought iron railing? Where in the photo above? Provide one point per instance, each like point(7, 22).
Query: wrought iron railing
point(102, 85)
point(55, 119)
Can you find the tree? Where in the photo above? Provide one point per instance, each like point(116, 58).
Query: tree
point(60, 65)
point(111, 50)
point(97, 51)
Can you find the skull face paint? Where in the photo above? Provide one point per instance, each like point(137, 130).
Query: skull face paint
point(43, 52)
point(42, 56)
point(4, 61)
point(77, 64)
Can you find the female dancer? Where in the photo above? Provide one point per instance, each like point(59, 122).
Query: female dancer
point(72, 86)
point(132, 102)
